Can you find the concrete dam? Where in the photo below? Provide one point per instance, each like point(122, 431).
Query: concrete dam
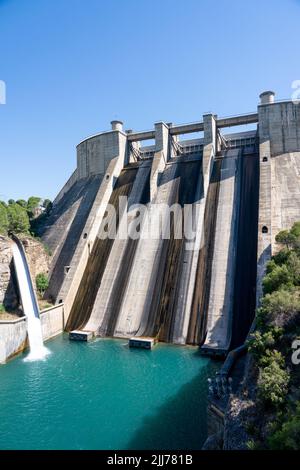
point(240, 189)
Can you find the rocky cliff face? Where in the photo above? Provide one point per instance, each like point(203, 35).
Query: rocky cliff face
point(38, 260)
point(8, 292)
point(242, 415)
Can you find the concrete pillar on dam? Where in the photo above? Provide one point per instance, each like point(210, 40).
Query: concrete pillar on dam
point(133, 148)
point(117, 125)
point(173, 142)
point(279, 192)
point(265, 183)
point(210, 129)
point(267, 97)
point(161, 155)
point(210, 146)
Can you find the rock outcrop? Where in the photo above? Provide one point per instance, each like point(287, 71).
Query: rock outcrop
point(8, 292)
point(38, 260)
point(37, 257)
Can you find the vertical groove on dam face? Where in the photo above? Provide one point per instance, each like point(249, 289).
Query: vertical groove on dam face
point(91, 279)
point(162, 311)
point(198, 319)
point(246, 265)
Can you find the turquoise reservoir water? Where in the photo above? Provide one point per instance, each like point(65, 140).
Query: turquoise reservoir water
point(103, 395)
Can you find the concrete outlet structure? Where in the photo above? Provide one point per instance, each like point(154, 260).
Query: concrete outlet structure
point(244, 188)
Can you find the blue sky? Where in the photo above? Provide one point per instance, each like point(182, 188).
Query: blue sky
point(71, 66)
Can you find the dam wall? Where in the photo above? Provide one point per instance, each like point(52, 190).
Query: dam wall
point(242, 187)
point(68, 185)
point(13, 338)
point(150, 286)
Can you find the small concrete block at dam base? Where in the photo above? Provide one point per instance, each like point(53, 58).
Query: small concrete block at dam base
point(142, 342)
point(80, 335)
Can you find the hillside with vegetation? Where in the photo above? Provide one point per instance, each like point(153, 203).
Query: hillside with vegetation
point(266, 413)
point(23, 216)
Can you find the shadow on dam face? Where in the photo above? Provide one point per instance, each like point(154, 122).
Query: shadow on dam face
point(198, 319)
point(246, 263)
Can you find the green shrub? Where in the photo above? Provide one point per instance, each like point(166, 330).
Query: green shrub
point(18, 216)
point(287, 238)
point(295, 230)
point(18, 219)
point(281, 257)
point(290, 238)
point(42, 283)
point(22, 203)
point(3, 219)
point(293, 265)
point(278, 308)
point(47, 204)
point(2, 308)
point(278, 277)
point(251, 445)
point(260, 343)
point(287, 437)
point(273, 384)
point(271, 357)
point(32, 204)
point(270, 266)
